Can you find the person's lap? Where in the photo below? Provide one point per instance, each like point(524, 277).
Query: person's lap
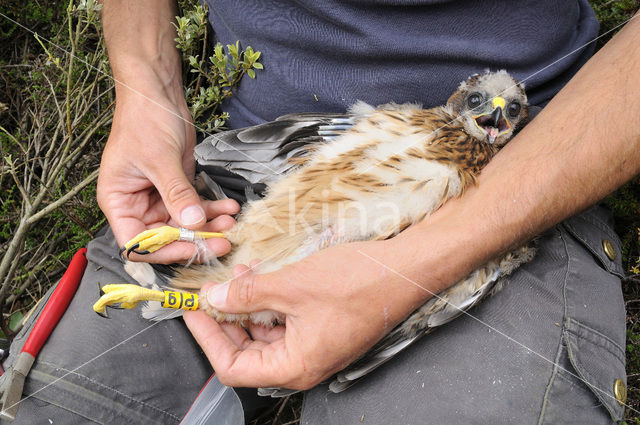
point(505, 362)
point(118, 370)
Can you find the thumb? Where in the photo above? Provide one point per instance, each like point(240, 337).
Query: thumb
point(247, 292)
point(179, 196)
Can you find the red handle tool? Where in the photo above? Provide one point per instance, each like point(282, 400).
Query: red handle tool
point(57, 304)
point(13, 379)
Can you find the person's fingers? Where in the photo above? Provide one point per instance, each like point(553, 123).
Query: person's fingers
point(263, 333)
point(222, 207)
point(179, 251)
point(239, 269)
point(248, 292)
point(219, 224)
point(236, 334)
point(266, 334)
point(254, 364)
point(125, 228)
point(124, 210)
point(179, 196)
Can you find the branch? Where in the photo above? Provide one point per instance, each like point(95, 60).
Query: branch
point(12, 171)
point(58, 202)
point(8, 265)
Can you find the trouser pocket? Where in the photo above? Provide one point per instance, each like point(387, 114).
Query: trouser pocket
point(594, 324)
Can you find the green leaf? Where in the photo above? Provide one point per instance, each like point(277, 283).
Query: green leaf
point(14, 321)
point(219, 54)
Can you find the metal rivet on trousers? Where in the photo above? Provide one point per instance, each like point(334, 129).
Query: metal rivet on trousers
point(609, 249)
point(620, 391)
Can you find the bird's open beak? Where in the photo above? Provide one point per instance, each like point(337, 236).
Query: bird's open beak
point(494, 124)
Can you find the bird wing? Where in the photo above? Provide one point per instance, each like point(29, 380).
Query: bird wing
point(252, 157)
point(438, 311)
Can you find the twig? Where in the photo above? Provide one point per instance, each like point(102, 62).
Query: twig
point(72, 56)
point(204, 55)
point(17, 65)
point(283, 403)
point(13, 139)
point(12, 171)
point(54, 142)
point(29, 280)
point(86, 136)
point(73, 192)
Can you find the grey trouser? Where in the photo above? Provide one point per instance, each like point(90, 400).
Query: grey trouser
point(545, 350)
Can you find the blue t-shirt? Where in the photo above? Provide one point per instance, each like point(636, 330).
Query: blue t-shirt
point(323, 55)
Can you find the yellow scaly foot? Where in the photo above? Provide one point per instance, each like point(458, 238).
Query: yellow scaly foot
point(128, 296)
point(153, 239)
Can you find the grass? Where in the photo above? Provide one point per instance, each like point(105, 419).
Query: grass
point(55, 112)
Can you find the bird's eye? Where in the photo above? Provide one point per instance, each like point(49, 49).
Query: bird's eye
point(514, 109)
point(474, 100)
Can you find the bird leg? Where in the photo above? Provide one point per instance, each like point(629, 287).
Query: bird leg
point(128, 296)
point(153, 239)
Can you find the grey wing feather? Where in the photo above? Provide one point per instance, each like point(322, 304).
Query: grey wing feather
point(275, 392)
point(436, 312)
point(261, 153)
point(433, 314)
point(208, 188)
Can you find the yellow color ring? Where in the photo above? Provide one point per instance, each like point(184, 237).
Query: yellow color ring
point(180, 300)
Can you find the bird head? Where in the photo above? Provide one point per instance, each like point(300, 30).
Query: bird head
point(491, 106)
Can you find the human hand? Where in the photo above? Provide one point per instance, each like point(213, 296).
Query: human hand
point(338, 303)
point(146, 173)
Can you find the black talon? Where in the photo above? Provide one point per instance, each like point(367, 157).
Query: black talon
point(132, 249)
point(105, 310)
point(103, 315)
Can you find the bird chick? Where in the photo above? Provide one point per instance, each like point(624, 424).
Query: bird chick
point(394, 166)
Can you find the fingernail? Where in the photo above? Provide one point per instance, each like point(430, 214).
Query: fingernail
point(218, 295)
point(192, 215)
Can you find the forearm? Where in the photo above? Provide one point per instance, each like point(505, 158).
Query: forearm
point(140, 41)
point(147, 165)
point(582, 146)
